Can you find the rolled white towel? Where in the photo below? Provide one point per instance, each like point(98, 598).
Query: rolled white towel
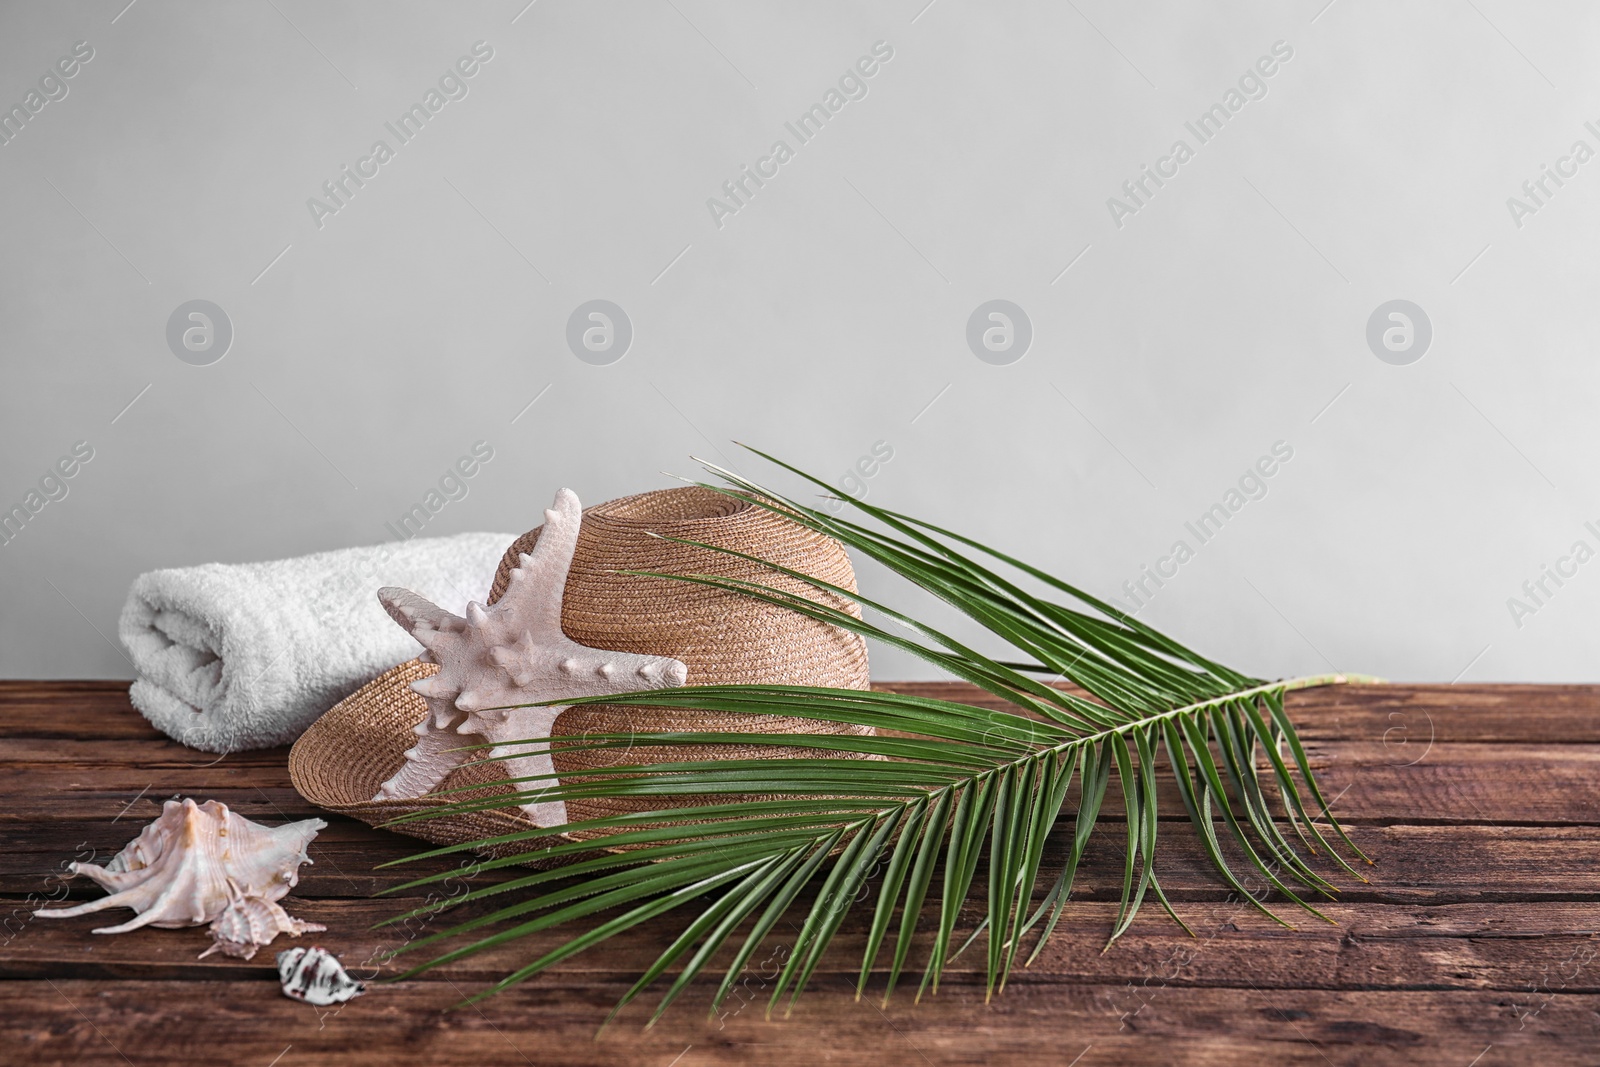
point(248, 655)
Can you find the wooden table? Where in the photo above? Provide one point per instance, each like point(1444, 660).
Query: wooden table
point(1474, 944)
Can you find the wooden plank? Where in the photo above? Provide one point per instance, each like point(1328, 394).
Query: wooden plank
point(1401, 712)
point(1475, 942)
point(72, 1022)
point(1458, 782)
point(1411, 714)
point(1374, 781)
point(1484, 713)
point(1394, 762)
point(105, 836)
point(1415, 864)
point(345, 859)
point(1462, 946)
point(39, 792)
point(158, 753)
point(71, 709)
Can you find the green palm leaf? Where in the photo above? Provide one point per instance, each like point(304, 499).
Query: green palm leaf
point(950, 788)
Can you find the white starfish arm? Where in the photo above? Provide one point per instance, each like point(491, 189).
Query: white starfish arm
point(529, 760)
point(428, 762)
point(563, 668)
point(415, 612)
point(533, 595)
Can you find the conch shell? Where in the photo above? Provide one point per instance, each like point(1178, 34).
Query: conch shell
point(196, 862)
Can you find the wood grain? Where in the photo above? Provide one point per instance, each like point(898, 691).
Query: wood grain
point(1456, 946)
point(1476, 940)
point(140, 1022)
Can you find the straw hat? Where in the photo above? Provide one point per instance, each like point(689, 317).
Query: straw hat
point(722, 637)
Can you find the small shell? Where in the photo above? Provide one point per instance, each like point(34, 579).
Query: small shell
point(247, 923)
point(188, 865)
point(315, 976)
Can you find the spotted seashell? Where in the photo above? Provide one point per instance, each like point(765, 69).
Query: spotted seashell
point(315, 976)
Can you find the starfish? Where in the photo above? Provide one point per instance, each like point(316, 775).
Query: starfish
point(512, 652)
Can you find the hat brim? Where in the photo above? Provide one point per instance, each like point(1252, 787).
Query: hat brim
point(360, 743)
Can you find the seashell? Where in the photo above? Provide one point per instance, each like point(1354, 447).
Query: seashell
point(248, 922)
point(315, 976)
point(185, 868)
point(513, 652)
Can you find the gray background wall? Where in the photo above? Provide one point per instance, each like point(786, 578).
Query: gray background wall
point(1168, 353)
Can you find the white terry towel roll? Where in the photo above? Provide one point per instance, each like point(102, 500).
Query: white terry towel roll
point(240, 656)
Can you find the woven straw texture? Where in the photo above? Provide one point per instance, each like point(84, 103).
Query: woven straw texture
point(357, 745)
point(721, 637)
